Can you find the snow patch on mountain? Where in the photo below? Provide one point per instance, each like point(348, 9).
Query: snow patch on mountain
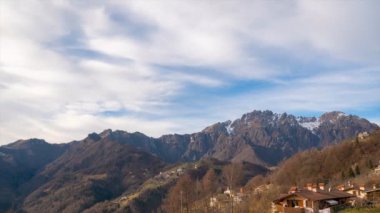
point(341, 114)
point(192, 139)
point(229, 128)
point(309, 123)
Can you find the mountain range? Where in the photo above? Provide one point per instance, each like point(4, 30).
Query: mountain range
point(260, 137)
point(36, 176)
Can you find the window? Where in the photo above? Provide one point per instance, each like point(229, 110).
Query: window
point(292, 203)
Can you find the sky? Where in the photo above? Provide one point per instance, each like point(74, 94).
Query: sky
point(69, 68)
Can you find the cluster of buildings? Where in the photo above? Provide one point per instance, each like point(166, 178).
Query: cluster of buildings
point(363, 135)
point(227, 199)
point(175, 173)
point(315, 198)
point(160, 179)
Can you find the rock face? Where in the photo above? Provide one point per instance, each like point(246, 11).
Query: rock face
point(337, 126)
point(263, 137)
point(260, 137)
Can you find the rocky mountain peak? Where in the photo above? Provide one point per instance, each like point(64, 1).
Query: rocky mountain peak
point(26, 144)
point(302, 119)
point(229, 127)
point(94, 136)
point(332, 116)
point(105, 133)
point(258, 119)
point(257, 115)
point(217, 127)
point(310, 123)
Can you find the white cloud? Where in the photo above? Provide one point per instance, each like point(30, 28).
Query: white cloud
point(48, 91)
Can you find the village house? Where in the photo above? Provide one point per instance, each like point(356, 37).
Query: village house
point(220, 201)
point(228, 196)
point(358, 191)
point(363, 135)
point(312, 199)
point(228, 192)
point(213, 201)
point(180, 171)
point(368, 193)
point(354, 189)
point(373, 195)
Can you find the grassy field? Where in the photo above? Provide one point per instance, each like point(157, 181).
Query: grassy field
point(363, 210)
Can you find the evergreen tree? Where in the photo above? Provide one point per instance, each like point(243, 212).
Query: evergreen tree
point(351, 173)
point(357, 170)
point(343, 175)
point(370, 164)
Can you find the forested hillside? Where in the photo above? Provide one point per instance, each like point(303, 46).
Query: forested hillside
point(331, 164)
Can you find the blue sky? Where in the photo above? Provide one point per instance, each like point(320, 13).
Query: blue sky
point(68, 68)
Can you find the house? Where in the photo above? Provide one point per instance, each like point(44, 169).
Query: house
point(239, 196)
point(363, 135)
point(228, 198)
point(373, 195)
point(195, 166)
point(310, 201)
point(228, 192)
point(367, 193)
point(354, 189)
point(220, 201)
point(180, 171)
point(358, 191)
point(213, 201)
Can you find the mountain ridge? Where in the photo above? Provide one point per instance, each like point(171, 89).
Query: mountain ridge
point(88, 167)
point(256, 131)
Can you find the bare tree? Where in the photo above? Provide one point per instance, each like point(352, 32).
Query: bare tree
point(180, 196)
point(233, 173)
point(209, 182)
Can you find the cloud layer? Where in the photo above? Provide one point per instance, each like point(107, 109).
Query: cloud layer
point(68, 68)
